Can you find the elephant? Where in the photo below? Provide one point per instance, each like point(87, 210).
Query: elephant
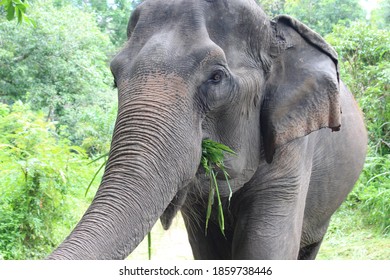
point(267, 88)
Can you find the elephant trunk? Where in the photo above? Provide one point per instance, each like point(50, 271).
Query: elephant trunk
point(152, 156)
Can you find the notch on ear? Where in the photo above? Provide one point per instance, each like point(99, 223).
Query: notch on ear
point(302, 90)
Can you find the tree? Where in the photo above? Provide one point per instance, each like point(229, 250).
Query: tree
point(364, 55)
point(272, 7)
point(42, 178)
point(61, 66)
point(381, 15)
point(321, 15)
point(112, 15)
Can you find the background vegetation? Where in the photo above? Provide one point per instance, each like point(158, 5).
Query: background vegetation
point(57, 111)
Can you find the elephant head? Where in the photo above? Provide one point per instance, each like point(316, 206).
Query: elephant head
point(191, 70)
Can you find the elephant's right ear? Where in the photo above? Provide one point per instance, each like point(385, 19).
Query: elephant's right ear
point(302, 90)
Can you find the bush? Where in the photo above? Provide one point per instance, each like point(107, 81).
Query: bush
point(371, 195)
point(365, 66)
point(364, 54)
point(43, 178)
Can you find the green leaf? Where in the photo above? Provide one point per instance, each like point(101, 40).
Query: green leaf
point(21, 7)
point(221, 218)
point(10, 12)
point(19, 14)
point(29, 21)
point(209, 204)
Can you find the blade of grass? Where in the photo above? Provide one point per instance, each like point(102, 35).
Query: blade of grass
point(227, 181)
point(209, 204)
point(150, 245)
point(221, 218)
point(98, 158)
point(96, 173)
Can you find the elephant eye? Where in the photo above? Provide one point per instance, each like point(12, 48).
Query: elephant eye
point(216, 77)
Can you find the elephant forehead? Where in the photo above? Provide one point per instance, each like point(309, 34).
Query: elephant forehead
point(186, 26)
point(185, 15)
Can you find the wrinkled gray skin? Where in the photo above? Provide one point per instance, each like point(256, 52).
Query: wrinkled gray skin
point(222, 70)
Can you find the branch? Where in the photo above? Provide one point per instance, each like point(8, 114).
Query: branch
point(22, 57)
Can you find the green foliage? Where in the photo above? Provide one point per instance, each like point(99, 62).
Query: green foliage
point(321, 15)
point(17, 8)
point(213, 154)
point(364, 51)
point(381, 15)
point(371, 195)
point(272, 7)
point(61, 62)
point(41, 179)
point(61, 67)
point(112, 15)
point(91, 127)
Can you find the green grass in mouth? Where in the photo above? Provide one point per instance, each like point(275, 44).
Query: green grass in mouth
point(213, 155)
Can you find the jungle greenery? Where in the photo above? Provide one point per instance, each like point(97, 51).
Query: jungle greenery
point(57, 112)
point(16, 9)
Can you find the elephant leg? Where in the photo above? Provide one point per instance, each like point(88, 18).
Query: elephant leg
point(262, 236)
point(269, 210)
point(312, 236)
point(270, 224)
point(310, 252)
point(212, 245)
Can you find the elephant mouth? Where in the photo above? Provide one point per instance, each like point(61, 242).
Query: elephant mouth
point(174, 206)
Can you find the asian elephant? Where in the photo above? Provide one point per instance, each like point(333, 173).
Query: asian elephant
point(268, 89)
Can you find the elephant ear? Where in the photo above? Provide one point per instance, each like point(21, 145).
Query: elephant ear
point(302, 90)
